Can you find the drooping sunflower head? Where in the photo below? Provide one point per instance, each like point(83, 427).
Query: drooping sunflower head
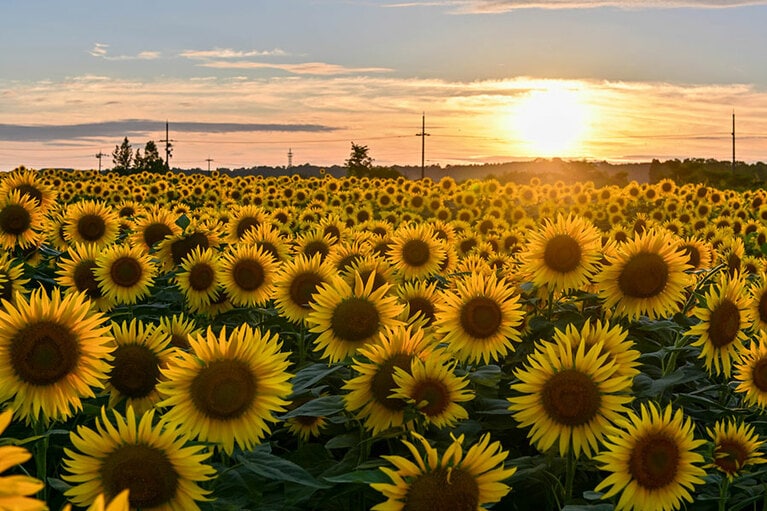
point(54, 350)
point(450, 481)
point(736, 448)
point(148, 459)
point(646, 276)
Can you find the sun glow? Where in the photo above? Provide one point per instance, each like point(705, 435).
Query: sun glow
point(552, 120)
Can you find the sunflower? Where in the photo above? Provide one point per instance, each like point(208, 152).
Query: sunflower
point(91, 222)
point(28, 185)
point(270, 240)
point(15, 490)
point(646, 276)
point(736, 448)
point(434, 389)
point(179, 329)
point(724, 319)
point(124, 273)
point(172, 250)
point(77, 274)
point(199, 278)
point(140, 353)
point(757, 298)
point(751, 372)
point(313, 243)
point(304, 426)
point(613, 341)
point(420, 299)
point(12, 285)
point(153, 227)
point(247, 275)
point(450, 482)
point(347, 318)
point(160, 472)
point(651, 460)
point(481, 319)
point(415, 252)
point(228, 387)
point(296, 284)
point(20, 221)
point(564, 255)
point(369, 393)
point(53, 351)
point(699, 253)
point(569, 395)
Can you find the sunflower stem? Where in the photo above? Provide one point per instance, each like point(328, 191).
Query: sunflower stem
point(724, 493)
point(302, 345)
point(41, 457)
point(571, 463)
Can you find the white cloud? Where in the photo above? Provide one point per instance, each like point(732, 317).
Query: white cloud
point(100, 50)
point(304, 68)
point(229, 53)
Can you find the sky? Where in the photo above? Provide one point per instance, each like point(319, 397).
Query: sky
point(244, 83)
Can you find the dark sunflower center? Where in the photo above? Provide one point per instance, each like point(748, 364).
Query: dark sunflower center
point(444, 489)
point(44, 352)
point(269, 248)
point(184, 246)
point(85, 280)
point(654, 461)
point(224, 389)
point(693, 255)
point(432, 397)
point(302, 287)
point(156, 232)
point(145, 471)
point(346, 262)
point(179, 341)
point(245, 224)
point(135, 370)
point(126, 272)
point(763, 307)
point(424, 306)
point(562, 253)
point(15, 219)
point(30, 191)
point(316, 247)
point(724, 324)
point(759, 374)
point(730, 456)
point(415, 252)
point(354, 319)
point(248, 274)
point(91, 227)
point(571, 398)
point(201, 277)
point(378, 279)
point(382, 383)
point(645, 275)
point(481, 317)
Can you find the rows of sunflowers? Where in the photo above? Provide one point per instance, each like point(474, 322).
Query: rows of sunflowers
point(181, 342)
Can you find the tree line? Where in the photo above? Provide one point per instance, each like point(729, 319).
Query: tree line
point(126, 161)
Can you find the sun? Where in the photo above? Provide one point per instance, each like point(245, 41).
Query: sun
point(551, 120)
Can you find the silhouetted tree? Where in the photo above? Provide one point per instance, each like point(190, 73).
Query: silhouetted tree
point(359, 162)
point(122, 157)
point(151, 160)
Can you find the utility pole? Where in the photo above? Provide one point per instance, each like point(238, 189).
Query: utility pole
point(290, 160)
point(167, 141)
point(423, 136)
point(99, 156)
point(209, 160)
point(733, 141)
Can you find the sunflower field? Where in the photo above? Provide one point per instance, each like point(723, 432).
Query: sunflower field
point(202, 341)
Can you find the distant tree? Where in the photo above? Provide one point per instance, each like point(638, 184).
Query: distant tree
point(151, 160)
point(122, 157)
point(359, 162)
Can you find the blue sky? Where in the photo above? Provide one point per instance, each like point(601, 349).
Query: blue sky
point(366, 70)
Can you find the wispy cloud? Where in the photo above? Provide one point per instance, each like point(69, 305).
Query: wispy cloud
point(101, 50)
point(132, 127)
point(303, 68)
point(229, 53)
point(498, 6)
